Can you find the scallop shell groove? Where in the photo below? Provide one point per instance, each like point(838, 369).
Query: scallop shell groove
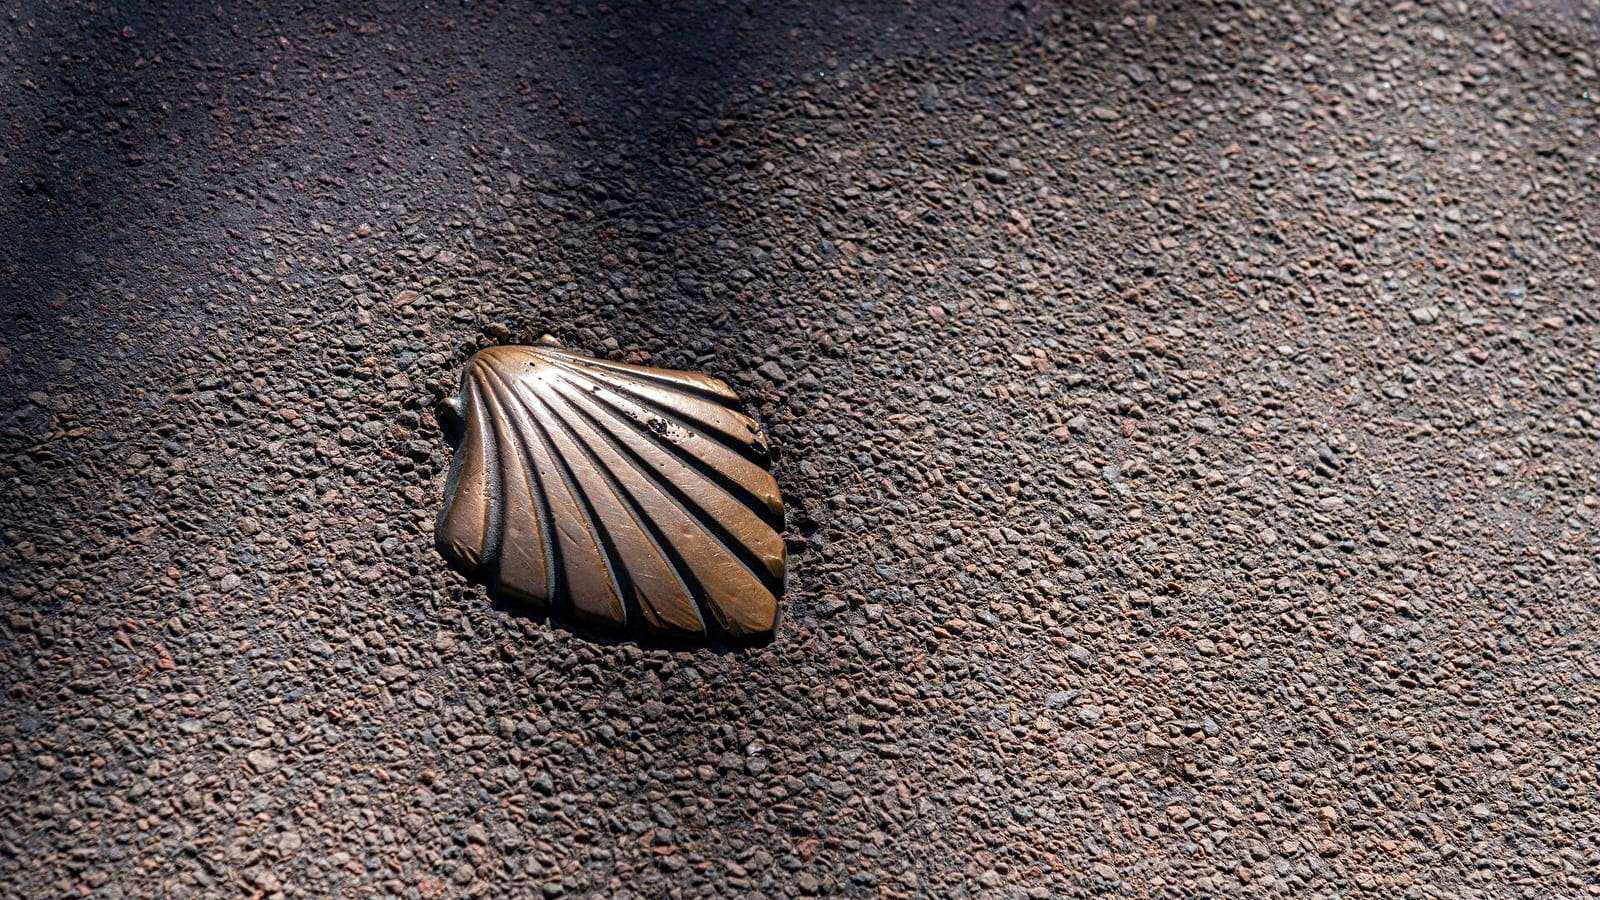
point(613, 496)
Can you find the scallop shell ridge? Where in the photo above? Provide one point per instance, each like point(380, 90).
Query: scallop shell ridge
point(615, 496)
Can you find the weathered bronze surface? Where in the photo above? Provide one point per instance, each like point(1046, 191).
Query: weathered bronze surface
point(616, 496)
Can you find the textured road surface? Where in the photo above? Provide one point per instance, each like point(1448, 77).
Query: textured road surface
point(1189, 419)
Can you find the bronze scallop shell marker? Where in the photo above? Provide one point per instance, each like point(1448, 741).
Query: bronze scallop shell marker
point(622, 497)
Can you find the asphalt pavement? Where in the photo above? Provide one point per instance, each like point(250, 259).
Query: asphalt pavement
point(1188, 417)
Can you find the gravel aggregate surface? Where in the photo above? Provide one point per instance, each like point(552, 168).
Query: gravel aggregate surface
point(1187, 415)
